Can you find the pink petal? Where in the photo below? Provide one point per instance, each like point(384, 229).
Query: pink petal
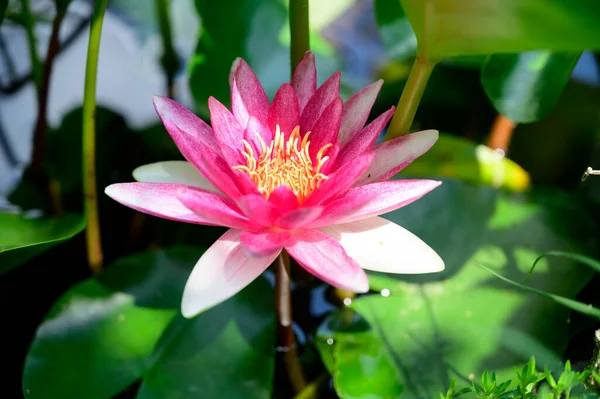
point(385, 197)
point(325, 258)
point(285, 110)
point(228, 131)
point(248, 97)
point(190, 127)
point(357, 110)
point(265, 241)
point(223, 271)
point(211, 206)
point(252, 132)
point(329, 91)
point(394, 155)
point(340, 208)
point(298, 218)
point(210, 164)
point(258, 209)
point(284, 199)
point(380, 245)
point(340, 180)
point(365, 139)
point(157, 199)
point(304, 80)
point(326, 129)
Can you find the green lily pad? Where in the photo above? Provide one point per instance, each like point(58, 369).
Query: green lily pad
point(21, 238)
point(108, 332)
point(433, 328)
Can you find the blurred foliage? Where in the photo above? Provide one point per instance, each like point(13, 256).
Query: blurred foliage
point(525, 87)
point(122, 326)
point(119, 334)
point(23, 238)
point(522, 85)
point(450, 27)
point(433, 328)
point(3, 5)
point(465, 160)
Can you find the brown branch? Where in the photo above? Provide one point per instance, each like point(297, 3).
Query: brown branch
point(39, 135)
point(501, 133)
point(286, 341)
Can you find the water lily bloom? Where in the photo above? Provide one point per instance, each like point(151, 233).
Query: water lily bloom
point(303, 173)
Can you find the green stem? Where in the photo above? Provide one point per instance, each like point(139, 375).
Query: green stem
point(36, 65)
point(299, 29)
point(285, 334)
point(169, 59)
point(411, 97)
point(94, 247)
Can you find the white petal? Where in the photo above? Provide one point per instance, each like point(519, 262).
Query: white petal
point(223, 271)
point(180, 172)
point(380, 245)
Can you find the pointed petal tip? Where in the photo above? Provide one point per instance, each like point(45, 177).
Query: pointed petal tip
point(430, 133)
point(110, 190)
point(362, 287)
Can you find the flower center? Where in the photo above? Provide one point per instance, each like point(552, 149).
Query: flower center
point(285, 163)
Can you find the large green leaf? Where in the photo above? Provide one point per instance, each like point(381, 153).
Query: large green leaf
point(110, 331)
point(450, 325)
point(525, 87)
point(467, 27)
point(23, 238)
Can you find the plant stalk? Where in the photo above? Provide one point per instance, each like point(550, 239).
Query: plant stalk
point(39, 135)
point(94, 246)
point(411, 97)
point(501, 133)
point(169, 58)
point(300, 44)
point(36, 65)
point(299, 29)
point(286, 341)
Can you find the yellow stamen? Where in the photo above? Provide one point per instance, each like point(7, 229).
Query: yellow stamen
point(286, 163)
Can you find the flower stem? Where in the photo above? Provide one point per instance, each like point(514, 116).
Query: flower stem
point(94, 247)
point(36, 65)
point(285, 333)
point(39, 134)
point(299, 29)
point(501, 133)
point(169, 58)
point(411, 97)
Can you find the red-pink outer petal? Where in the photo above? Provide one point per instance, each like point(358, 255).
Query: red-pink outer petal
point(394, 155)
point(357, 110)
point(157, 199)
point(213, 206)
point(304, 80)
point(329, 91)
point(284, 111)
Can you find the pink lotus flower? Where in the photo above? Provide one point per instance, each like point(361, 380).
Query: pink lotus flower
point(302, 173)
